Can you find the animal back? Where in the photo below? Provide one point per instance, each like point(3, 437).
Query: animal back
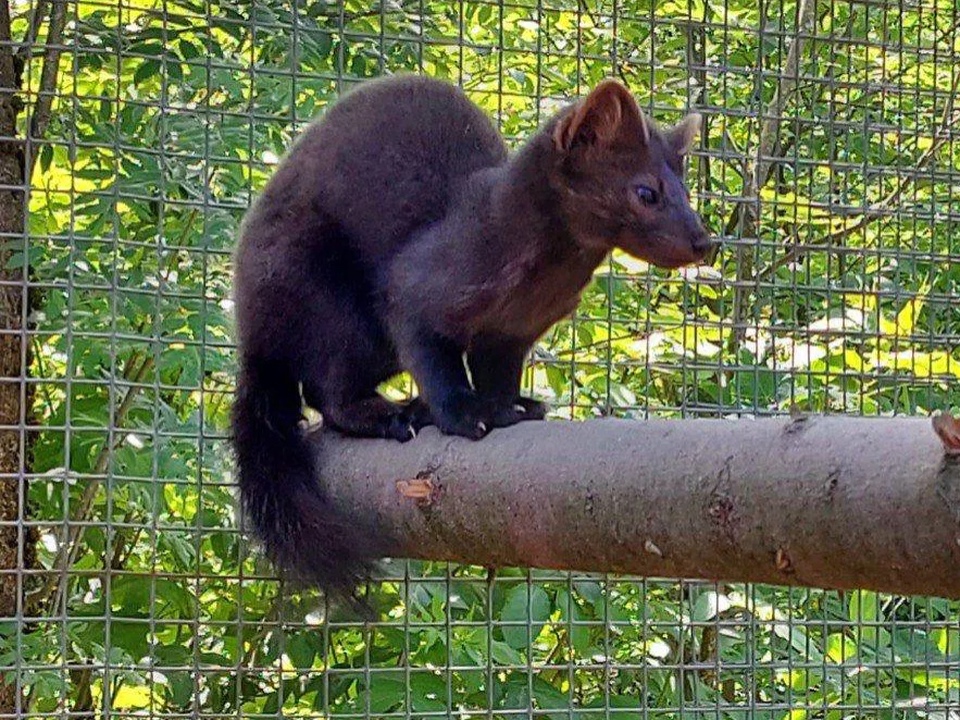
point(390, 154)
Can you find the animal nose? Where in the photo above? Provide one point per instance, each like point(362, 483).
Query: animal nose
point(702, 242)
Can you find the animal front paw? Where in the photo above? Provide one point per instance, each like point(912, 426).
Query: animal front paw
point(409, 420)
point(519, 409)
point(400, 428)
point(417, 414)
point(465, 415)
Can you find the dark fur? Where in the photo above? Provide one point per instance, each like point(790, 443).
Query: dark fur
point(397, 235)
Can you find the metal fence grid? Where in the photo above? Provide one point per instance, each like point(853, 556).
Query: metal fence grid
point(829, 166)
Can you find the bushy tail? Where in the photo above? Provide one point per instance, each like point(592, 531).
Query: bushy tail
point(297, 524)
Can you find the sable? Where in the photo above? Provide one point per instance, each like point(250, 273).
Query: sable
point(397, 234)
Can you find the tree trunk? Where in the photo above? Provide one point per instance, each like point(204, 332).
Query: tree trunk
point(17, 544)
point(833, 502)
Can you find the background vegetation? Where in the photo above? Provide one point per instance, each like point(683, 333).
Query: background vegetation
point(828, 164)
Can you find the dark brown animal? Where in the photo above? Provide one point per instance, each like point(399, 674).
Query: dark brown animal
point(397, 234)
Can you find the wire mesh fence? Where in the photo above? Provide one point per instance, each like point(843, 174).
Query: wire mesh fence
point(828, 165)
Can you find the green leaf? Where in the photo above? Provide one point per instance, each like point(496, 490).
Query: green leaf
point(174, 70)
point(130, 697)
point(188, 51)
point(548, 697)
point(864, 606)
point(175, 594)
point(428, 692)
point(571, 612)
point(301, 651)
point(386, 694)
point(590, 590)
point(907, 317)
point(865, 611)
point(147, 69)
point(709, 605)
point(503, 654)
point(529, 605)
point(131, 637)
point(45, 157)
point(180, 683)
point(130, 596)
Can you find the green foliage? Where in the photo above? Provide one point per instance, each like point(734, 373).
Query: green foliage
point(170, 115)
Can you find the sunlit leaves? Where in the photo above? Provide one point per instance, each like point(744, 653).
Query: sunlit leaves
point(170, 116)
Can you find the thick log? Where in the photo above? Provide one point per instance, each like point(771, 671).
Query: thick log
point(832, 502)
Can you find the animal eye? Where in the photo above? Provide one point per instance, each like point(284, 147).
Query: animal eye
point(647, 195)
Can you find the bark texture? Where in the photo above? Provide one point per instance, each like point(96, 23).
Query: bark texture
point(832, 502)
point(13, 353)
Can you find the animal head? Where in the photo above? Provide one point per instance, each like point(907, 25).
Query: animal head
point(619, 178)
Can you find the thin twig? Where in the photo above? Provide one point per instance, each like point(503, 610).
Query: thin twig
point(37, 16)
point(943, 135)
point(40, 117)
point(271, 615)
point(765, 163)
point(67, 553)
point(123, 546)
point(42, 370)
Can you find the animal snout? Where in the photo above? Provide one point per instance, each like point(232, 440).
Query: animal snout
point(702, 242)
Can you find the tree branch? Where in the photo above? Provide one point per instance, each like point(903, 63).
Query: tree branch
point(40, 117)
point(8, 77)
point(37, 15)
point(135, 371)
point(942, 135)
point(67, 552)
point(746, 212)
point(835, 502)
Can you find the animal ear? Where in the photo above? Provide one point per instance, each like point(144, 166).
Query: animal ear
point(600, 118)
point(684, 134)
